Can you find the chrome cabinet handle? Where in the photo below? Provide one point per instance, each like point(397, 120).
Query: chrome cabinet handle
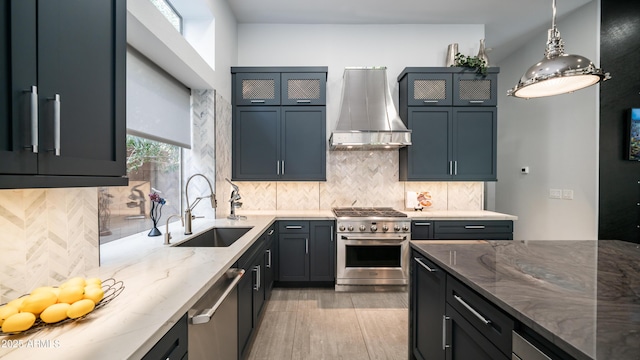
point(476, 101)
point(422, 224)
point(430, 101)
point(424, 265)
point(33, 106)
point(450, 167)
point(293, 227)
point(306, 245)
point(256, 269)
point(57, 103)
point(270, 232)
point(303, 101)
point(257, 101)
point(331, 233)
point(473, 311)
point(455, 167)
point(206, 317)
point(268, 266)
point(444, 332)
point(474, 226)
point(278, 167)
point(282, 167)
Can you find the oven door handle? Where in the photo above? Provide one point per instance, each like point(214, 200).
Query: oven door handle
point(390, 238)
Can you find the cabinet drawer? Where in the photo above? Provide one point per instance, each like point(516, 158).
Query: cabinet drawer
point(422, 230)
point(480, 229)
point(471, 89)
point(172, 345)
point(293, 227)
point(304, 88)
point(257, 89)
point(490, 321)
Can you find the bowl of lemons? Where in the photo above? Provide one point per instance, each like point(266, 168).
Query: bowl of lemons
point(48, 306)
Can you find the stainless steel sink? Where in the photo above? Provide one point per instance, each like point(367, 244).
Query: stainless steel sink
point(216, 237)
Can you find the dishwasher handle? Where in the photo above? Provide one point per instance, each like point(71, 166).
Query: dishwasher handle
point(206, 317)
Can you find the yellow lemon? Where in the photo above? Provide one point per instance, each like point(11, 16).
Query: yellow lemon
point(70, 294)
point(54, 313)
point(18, 322)
point(37, 302)
point(80, 308)
point(95, 281)
point(17, 302)
point(42, 288)
point(6, 311)
point(76, 281)
point(93, 293)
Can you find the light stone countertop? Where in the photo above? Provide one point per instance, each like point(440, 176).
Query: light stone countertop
point(161, 284)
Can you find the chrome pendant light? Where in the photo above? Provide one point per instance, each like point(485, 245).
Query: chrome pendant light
point(557, 73)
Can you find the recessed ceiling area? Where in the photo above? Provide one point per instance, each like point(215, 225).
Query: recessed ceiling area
point(506, 21)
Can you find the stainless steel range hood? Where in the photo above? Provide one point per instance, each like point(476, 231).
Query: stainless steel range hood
point(368, 118)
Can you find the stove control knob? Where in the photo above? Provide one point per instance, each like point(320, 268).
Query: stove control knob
point(385, 228)
point(374, 228)
point(363, 228)
point(396, 227)
point(350, 228)
point(341, 228)
point(405, 228)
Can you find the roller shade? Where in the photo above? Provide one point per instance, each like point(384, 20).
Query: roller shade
point(158, 105)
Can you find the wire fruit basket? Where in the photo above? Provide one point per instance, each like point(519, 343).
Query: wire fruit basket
point(111, 288)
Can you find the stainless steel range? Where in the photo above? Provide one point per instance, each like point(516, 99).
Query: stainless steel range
point(372, 248)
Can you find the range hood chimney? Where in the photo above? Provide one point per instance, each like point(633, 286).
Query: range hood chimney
point(368, 118)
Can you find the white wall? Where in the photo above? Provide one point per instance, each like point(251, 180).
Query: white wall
point(557, 137)
point(339, 46)
point(226, 46)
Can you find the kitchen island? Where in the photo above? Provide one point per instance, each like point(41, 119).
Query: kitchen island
point(581, 296)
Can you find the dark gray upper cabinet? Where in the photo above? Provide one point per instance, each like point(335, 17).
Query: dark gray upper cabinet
point(274, 142)
point(449, 142)
point(304, 88)
point(63, 96)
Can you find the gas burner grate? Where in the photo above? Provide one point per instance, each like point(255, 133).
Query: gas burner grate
point(368, 212)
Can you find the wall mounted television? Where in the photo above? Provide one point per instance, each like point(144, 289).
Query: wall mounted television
point(633, 142)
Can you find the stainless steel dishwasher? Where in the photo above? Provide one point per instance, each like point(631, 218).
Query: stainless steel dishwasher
point(213, 320)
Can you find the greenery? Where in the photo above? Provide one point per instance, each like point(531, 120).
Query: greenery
point(473, 62)
point(140, 151)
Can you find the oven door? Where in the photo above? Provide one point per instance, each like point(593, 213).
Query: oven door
point(372, 259)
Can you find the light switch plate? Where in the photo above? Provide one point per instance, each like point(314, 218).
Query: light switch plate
point(567, 194)
point(555, 193)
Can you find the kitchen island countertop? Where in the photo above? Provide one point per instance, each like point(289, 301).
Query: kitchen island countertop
point(583, 296)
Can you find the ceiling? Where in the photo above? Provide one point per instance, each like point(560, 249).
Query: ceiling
point(507, 22)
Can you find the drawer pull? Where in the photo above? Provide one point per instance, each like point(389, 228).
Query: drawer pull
point(293, 227)
point(473, 311)
point(430, 101)
point(270, 232)
point(424, 265)
point(303, 101)
point(444, 332)
point(422, 224)
point(474, 226)
point(257, 101)
point(476, 101)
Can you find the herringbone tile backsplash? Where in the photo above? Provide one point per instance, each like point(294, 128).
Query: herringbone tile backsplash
point(47, 236)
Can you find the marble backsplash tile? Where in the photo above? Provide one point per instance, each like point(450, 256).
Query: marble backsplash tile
point(48, 235)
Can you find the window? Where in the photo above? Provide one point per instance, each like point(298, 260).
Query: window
point(124, 210)
point(169, 12)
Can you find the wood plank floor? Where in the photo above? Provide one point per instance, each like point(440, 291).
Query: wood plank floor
point(324, 324)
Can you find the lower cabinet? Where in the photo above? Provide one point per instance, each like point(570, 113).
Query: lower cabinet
point(450, 321)
point(173, 345)
point(306, 251)
point(269, 261)
point(462, 230)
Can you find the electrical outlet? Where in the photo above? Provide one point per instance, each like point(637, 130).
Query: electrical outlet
point(524, 170)
point(555, 194)
point(567, 194)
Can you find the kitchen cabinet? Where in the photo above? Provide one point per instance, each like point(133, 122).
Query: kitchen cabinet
point(462, 229)
point(270, 237)
point(280, 133)
point(63, 100)
point(251, 293)
point(450, 321)
point(173, 345)
point(451, 139)
point(306, 251)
